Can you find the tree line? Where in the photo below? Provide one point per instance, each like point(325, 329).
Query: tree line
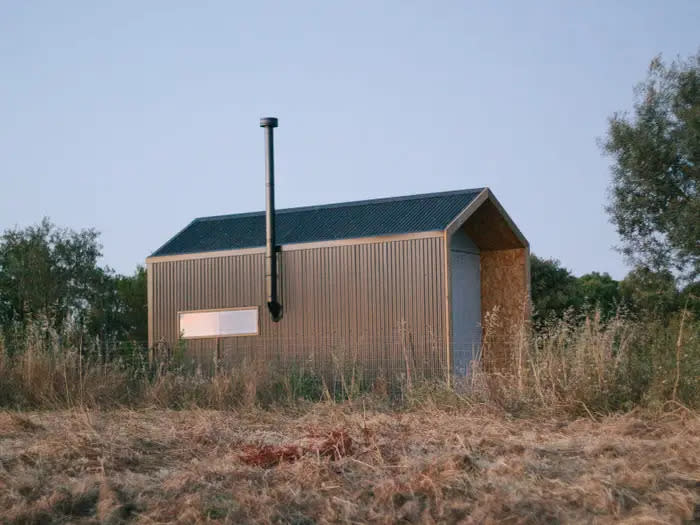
point(643, 293)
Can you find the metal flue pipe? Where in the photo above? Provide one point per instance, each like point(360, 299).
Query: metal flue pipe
point(271, 288)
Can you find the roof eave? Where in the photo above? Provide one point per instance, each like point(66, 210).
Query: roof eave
point(172, 239)
point(296, 246)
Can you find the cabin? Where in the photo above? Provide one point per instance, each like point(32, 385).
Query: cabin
point(390, 285)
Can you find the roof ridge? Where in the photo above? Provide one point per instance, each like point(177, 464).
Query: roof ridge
point(343, 204)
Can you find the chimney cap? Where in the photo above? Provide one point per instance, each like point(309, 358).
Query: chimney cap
point(268, 122)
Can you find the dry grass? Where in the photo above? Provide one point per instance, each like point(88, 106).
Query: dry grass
point(447, 462)
point(573, 366)
point(588, 423)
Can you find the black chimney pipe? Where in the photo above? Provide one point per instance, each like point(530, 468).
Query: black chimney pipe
point(273, 303)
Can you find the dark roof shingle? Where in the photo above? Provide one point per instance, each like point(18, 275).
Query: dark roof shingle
point(348, 220)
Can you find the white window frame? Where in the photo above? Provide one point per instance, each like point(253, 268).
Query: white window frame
point(220, 335)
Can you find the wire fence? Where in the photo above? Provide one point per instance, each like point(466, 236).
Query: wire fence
point(394, 356)
point(398, 356)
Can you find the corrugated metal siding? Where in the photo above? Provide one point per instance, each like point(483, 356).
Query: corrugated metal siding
point(380, 305)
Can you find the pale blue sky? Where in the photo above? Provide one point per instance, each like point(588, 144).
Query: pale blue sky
point(137, 117)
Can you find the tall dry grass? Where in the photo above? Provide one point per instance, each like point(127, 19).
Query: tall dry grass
point(42, 373)
point(576, 365)
point(591, 364)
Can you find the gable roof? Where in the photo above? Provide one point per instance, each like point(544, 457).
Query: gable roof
point(347, 220)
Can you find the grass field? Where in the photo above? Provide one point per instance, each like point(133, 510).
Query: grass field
point(448, 462)
point(594, 421)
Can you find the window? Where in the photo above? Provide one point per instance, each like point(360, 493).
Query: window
point(218, 323)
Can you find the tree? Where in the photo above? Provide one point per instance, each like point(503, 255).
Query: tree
point(654, 201)
point(600, 291)
point(47, 270)
point(554, 290)
point(650, 293)
point(119, 309)
point(132, 294)
point(53, 272)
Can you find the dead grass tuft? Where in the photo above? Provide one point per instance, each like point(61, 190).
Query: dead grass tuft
point(13, 422)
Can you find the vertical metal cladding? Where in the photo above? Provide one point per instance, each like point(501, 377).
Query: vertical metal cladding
point(380, 305)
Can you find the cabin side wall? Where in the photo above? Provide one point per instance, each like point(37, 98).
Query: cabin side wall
point(381, 305)
point(466, 301)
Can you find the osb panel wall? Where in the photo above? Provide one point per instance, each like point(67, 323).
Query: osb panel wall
point(505, 302)
point(379, 305)
point(490, 230)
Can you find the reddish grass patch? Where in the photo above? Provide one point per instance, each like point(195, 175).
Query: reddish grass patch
point(336, 444)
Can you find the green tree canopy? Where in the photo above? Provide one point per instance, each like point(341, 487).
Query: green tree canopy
point(132, 292)
point(599, 290)
point(553, 288)
point(651, 293)
point(654, 199)
point(47, 270)
point(53, 273)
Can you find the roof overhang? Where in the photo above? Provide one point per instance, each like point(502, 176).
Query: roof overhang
point(488, 224)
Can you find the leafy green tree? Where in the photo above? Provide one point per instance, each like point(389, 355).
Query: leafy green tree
point(553, 288)
point(601, 291)
point(654, 200)
point(52, 272)
point(104, 315)
point(132, 293)
point(118, 310)
point(47, 270)
point(650, 293)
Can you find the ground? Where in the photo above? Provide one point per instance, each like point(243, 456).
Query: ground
point(330, 463)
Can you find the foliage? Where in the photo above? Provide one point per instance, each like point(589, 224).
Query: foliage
point(53, 273)
point(554, 289)
point(47, 270)
point(120, 308)
point(650, 293)
point(690, 298)
point(131, 291)
point(599, 290)
point(654, 200)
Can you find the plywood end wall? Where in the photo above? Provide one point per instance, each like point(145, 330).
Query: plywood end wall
point(505, 302)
